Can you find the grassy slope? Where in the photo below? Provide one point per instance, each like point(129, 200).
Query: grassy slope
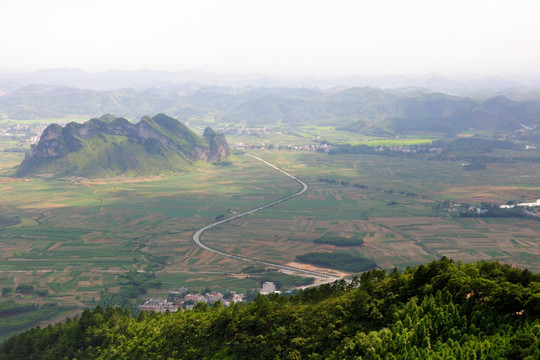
point(110, 155)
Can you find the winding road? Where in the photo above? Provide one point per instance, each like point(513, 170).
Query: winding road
point(196, 236)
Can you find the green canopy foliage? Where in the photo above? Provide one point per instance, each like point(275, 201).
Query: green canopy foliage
point(442, 310)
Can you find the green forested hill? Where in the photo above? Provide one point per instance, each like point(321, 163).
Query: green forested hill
point(366, 110)
point(109, 145)
point(442, 310)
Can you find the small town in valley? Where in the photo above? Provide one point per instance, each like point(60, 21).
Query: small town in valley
point(182, 298)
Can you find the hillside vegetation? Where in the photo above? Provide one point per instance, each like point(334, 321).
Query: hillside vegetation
point(366, 110)
point(441, 310)
point(112, 146)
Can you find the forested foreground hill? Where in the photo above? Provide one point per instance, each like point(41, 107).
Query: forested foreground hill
point(442, 310)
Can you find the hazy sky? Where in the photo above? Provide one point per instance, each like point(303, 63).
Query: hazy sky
point(277, 36)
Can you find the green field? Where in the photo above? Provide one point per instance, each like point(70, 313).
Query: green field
point(83, 235)
point(392, 142)
point(76, 237)
point(306, 135)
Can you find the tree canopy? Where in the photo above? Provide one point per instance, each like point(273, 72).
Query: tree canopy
point(440, 310)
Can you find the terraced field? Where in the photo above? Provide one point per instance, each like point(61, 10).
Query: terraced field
point(77, 237)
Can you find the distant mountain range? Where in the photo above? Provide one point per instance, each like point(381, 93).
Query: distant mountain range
point(471, 85)
point(113, 146)
point(368, 110)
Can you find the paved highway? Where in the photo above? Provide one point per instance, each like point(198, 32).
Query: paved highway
point(197, 240)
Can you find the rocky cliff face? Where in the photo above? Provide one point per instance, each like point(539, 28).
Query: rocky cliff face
point(219, 149)
point(51, 142)
point(160, 136)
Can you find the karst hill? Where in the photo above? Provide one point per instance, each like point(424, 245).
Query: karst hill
point(110, 146)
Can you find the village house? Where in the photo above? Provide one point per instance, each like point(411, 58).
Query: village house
point(196, 298)
point(180, 291)
point(268, 288)
point(213, 297)
point(160, 305)
point(236, 297)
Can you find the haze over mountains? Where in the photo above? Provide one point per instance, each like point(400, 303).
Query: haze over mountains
point(408, 125)
point(465, 84)
point(407, 104)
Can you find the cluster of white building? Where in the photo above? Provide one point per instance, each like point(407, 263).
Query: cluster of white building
point(158, 305)
point(409, 149)
point(183, 299)
point(269, 288)
point(189, 300)
point(537, 203)
point(254, 131)
point(21, 131)
point(313, 147)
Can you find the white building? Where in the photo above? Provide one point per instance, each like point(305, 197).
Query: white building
point(213, 297)
point(160, 305)
point(180, 291)
point(196, 298)
point(268, 288)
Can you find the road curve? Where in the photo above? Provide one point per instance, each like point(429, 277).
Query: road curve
point(196, 236)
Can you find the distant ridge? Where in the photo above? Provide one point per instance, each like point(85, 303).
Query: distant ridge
point(366, 110)
point(456, 84)
point(110, 145)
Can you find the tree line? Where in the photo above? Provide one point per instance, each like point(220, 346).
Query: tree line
point(441, 310)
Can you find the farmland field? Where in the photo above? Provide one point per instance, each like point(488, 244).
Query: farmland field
point(102, 227)
point(408, 232)
point(76, 238)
